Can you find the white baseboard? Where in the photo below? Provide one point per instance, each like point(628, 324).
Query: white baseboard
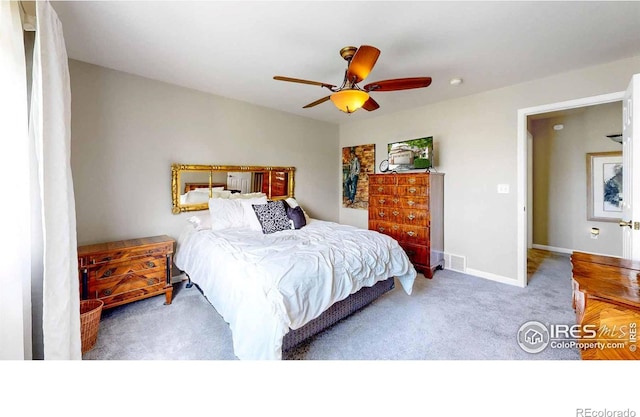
point(493, 277)
point(552, 248)
point(568, 251)
point(511, 281)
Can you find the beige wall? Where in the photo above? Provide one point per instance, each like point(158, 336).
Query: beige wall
point(476, 140)
point(559, 178)
point(127, 130)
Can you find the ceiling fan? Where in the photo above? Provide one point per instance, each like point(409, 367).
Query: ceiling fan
point(349, 97)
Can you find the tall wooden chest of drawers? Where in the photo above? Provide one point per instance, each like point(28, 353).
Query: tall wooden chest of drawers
point(409, 207)
point(127, 270)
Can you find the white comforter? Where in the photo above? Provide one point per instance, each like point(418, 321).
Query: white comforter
point(263, 285)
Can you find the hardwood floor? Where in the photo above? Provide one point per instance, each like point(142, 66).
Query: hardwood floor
point(537, 257)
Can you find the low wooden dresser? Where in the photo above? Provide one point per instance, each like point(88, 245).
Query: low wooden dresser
point(606, 299)
point(409, 207)
point(126, 270)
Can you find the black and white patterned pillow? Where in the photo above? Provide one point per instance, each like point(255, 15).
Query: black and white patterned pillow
point(272, 216)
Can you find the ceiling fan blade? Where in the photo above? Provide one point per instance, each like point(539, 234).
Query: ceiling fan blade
point(370, 105)
point(315, 103)
point(362, 63)
point(298, 80)
point(399, 84)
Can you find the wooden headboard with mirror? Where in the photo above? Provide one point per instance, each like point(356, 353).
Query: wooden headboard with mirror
point(193, 185)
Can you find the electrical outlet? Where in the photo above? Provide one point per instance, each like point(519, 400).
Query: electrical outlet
point(503, 188)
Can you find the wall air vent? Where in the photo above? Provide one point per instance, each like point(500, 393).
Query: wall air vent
point(455, 262)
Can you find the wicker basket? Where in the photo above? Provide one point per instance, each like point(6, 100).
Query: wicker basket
point(90, 312)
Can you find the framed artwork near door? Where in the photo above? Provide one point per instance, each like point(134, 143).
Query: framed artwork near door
point(604, 186)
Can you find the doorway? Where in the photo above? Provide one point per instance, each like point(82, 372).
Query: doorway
point(523, 158)
point(558, 185)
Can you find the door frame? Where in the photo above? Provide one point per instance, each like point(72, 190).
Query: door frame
point(523, 164)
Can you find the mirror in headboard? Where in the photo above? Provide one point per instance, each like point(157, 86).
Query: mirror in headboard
point(193, 185)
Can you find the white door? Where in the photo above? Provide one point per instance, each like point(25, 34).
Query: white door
point(240, 181)
point(630, 222)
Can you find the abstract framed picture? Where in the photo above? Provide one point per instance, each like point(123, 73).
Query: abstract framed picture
point(357, 163)
point(604, 186)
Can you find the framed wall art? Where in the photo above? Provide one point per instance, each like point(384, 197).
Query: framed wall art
point(357, 163)
point(604, 186)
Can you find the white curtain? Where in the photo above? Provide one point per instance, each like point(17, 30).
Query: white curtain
point(50, 129)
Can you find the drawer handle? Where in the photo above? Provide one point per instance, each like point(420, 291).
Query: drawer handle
point(395, 227)
point(411, 216)
point(150, 264)
point(380, 189)
point(107, 292)
point(381, 214)
point(107, 273)
point(395, 200)
point(382, 200)
point(412, 180)
point(380, 180)
point(150, 281)
point(412, 190)
point(381, 229)
point(411, 203)
point(396, 212)
point(411, 233)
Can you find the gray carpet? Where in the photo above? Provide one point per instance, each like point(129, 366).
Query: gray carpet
point(451, 317)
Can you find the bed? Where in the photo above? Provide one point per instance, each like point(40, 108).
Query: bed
point(277, 289)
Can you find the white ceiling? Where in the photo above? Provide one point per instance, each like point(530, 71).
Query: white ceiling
point(233, 49)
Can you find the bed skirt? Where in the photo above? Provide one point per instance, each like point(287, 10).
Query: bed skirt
point(336, 312)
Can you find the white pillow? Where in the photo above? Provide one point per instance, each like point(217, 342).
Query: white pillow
point(247, 195)
point(293, 203)
point(221, 194)
point(203, 189)
point(225, 213)
point(197, 196)
point(200, 221)
point(250, 218)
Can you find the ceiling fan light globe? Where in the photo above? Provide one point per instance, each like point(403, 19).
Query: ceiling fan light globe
point(349, 100)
